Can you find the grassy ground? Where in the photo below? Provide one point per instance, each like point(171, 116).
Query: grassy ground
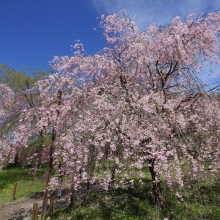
point(201, 201)
point(26, 185)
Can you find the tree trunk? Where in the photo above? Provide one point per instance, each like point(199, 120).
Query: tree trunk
point(50, 163)
point(158, 199)
point(72, 196)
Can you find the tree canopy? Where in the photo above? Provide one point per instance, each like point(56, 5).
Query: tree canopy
point(138, 102)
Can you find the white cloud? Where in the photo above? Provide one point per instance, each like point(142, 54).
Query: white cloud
point(162, 12)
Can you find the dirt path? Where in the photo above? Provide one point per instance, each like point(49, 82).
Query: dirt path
point(23, 209)
point(18, 210)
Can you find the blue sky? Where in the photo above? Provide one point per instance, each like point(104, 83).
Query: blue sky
point(32, 32)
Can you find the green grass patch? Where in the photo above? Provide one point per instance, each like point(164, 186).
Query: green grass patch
point(26, 185)
point(200, 201)
point(136, 203)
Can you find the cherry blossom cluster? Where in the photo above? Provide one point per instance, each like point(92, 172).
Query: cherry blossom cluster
point(135, 105)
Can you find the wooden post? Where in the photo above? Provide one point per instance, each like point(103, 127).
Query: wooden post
point(35, 211)
point(51, 203)
point(14, 191)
